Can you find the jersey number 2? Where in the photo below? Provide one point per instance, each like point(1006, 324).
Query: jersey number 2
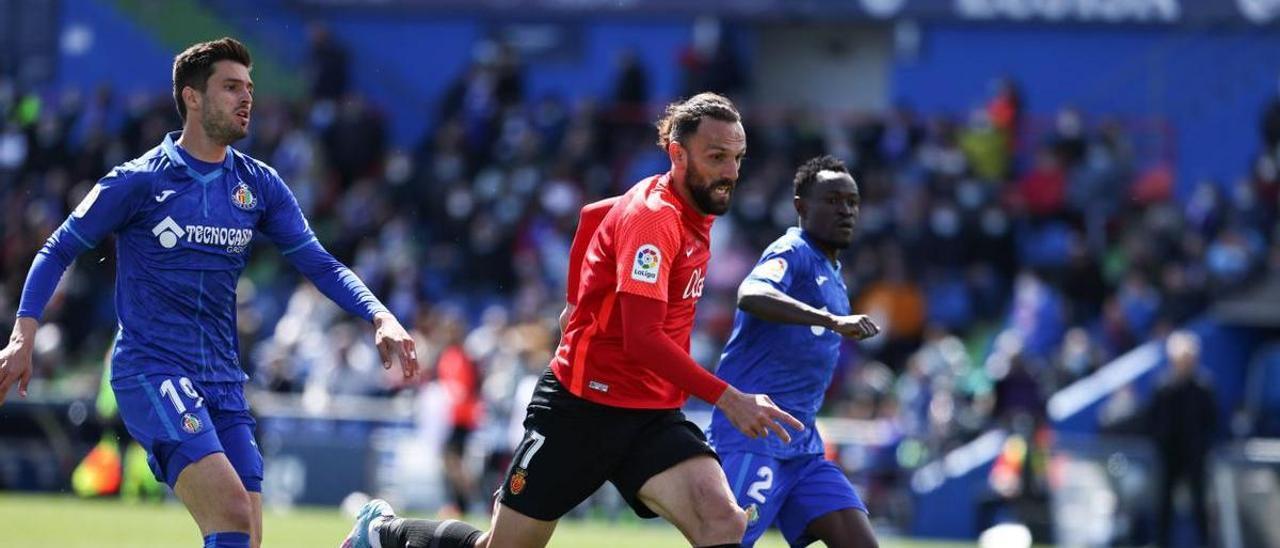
point(167, 389)
point(757, 488)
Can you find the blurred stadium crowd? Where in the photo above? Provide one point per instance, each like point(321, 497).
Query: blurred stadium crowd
point(1003, 257)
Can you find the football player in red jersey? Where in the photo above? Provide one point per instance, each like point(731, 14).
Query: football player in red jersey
point(608, 407)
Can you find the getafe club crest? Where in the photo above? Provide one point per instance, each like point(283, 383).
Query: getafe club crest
point(190, 423)
point(753, 514)
point(517, 482)
point(243, 198)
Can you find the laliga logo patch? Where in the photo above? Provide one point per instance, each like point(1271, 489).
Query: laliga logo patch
point(190, 423)
point(518, 481)
point(646, 264)
point(773, 270)
point(243, 198)
point(87, 202)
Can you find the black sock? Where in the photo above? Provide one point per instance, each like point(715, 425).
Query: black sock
point(420, 533)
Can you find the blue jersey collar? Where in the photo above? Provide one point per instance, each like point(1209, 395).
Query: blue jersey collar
point(170, 148)
point(813, 246)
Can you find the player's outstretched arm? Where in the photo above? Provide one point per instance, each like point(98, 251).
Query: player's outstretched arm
point(47, 268)
point(15, 359)
point(342, 286)
point(769, 303)
point(646, 343)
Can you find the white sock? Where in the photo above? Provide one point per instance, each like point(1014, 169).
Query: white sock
point(375, 540)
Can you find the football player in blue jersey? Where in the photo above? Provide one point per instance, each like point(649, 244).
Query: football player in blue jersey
point(793, 311)
point(184, 215)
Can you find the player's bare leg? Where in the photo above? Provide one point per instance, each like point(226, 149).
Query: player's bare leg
point(255, 534)
point(847, 528)
point(695, 497)
point(511, 529)
point(215, 497)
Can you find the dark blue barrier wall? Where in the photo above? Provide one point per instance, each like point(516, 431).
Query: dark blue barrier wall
point(116, 51)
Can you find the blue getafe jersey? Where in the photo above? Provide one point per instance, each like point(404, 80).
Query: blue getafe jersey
point(793, 364)
point(182, 240)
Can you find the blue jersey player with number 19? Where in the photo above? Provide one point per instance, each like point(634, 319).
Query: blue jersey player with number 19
point(793, 311)
point(184, 215)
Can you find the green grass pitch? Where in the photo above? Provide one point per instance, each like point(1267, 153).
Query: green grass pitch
point(30, 521)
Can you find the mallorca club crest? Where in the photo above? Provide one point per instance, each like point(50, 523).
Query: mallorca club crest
point(191, 423)
point(518, 481)
point(243, 198)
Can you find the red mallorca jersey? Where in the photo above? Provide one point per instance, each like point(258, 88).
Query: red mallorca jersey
point(651, 244)
point(589, 220)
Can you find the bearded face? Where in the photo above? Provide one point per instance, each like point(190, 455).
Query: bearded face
point(713, 156)
point(226, 103)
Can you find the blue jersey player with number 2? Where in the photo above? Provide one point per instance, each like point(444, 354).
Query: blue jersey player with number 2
point(184, 215)
point(793, 311)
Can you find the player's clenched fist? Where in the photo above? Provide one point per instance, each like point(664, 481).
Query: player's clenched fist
point(755, 415)
point(855, 327)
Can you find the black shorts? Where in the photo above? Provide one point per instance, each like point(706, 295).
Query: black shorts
point(572, 446)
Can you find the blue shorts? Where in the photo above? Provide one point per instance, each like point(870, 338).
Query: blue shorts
point(791, 492)
point(180, 421)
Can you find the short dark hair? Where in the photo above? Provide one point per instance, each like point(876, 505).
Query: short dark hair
point(808, 172)
point(193, 67)
point(682, 118)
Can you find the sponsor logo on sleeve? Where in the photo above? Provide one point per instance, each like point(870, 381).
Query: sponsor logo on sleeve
point(645, 267)
point(773, 269)
point(87, 202)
